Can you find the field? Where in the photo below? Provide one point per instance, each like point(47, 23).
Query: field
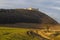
point(11, 33)
point(15, 34)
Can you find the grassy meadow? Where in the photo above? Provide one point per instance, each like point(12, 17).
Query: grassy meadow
point(16, 33)
point(7, 33)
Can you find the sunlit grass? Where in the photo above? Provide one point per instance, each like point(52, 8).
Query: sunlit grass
point(7, 33)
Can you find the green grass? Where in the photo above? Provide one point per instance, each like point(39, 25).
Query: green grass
point(7, 33)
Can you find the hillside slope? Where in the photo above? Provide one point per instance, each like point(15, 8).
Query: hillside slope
point(25, 16)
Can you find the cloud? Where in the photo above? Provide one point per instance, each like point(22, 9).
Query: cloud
point(19, 3)
point(56, 8)
point(11, 3)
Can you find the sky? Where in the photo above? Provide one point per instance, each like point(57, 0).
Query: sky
point(49, 7)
